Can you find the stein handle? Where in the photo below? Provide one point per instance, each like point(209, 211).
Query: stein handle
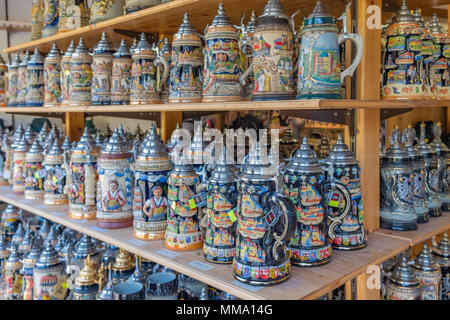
point(161, 60)
point(289, 213)
point(245, 74)
point(358, 41)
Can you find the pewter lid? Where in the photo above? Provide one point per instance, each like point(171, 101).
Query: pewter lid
point(435, 26)
point(109, 255)
point(340, 153)
point(85, 247)
point(422, 146)
point(15, 62)
point(395, 153)
point(437, 144)
point(80, 50)
point(424, 261)
point(251, 25)
point(52, 236)
point(9, 211)
point(115, 144)
point(70, 49)
point(22, 146)
point(44, 131)
point(18, 133)
point(442, 249)
point(257, 164)
point(173, 140)
point(85, 141)
point(221, 19)
point(403, 274)
point(143, 45)
point(49, 257)
point(55, 150)
point(67, 251)
point(133, 45)
point(304, 159)
point(418, 18)
point(26, 242)
point(54, 52)
point(166, 47)
point(36, 57)
point(66, 145)
point(35, 251)
point(122, 50)
point(18, 235)
point(44, 229)
point(319, 11)
point(104, 46)
point(186, 27)
point(274, 9)
point(29, 134)
point(223, 172)
point(409, 136)
point(4, 246)
point(403, 14)
point(25, 60)
point(153, 145)
point(14, 260)
point(99, 139)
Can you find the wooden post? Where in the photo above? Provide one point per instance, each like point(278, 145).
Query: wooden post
point(368, 121)
point(74, 125)
point(169, 120)
point(348, 290)
point(362, 289)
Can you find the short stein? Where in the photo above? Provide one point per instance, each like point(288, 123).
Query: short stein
point(441, 254)
point(121, 75)
point(102, 72)
point(52, 78)
point(35, 80)
point(80, 76)
point(401, 283)
point(19, 168)
point(428, 273)
point(35, 174)
point(55, 176)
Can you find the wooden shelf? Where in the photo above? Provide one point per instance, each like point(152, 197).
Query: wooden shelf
point(424, 231)
point(305, 283)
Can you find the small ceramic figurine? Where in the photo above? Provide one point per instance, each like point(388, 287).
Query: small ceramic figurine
point(441, 254)
point(221, 70)
point(66, 75)
point(102, 10)
point(37, 12)
point(145, 83)
point(150, 203)
point(50, 18)
point(55, 176)
point(19, 169)
point(3, 79)
point(22, 78)
point(440, 73)
point(35, 80)
point(86, 286)
point(52, 78)
point(186, 73)
point(121, 75)
point(136, 5)
point(397, 187)
point(73, 14)
point(114, 187)
point(102, 72)
point(13, 81)
point(80, 76)
point(344, 205)
point(35, 175)
point(319, 72)
point(428, 273)
point(401, 283)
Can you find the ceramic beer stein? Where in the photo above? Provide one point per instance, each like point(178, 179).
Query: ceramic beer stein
point(47, 271)
point(431, 175)
point(122, 268)
point(150, 203)
point(13, 265)
point(73, 14)
point(303, 180)
point(80, 76)
point(186, 73)
point(401, 283)
point(37, 12)
point(221, 70)
point(102, 10)
point(273, 53)
point(145, 81)
point(18, 236)
point(136, 5)
point(121, 75)
point(15, 139)
point(3, 79)
point(19, 168)
point(402, 62)
point(4, 249)
point(114, 186)
point(440, 72)
point(441, 254)
point(66, 75)
point(50, 18)
point(25, 245)
point(29, 263)
point(319, 72)
point(419, 171)
point(52, 78)
point(35, 175)
point(55, 176)
point(83, 173)
point(35, 80)
point(166, 53)
point(10, 220)
point(84, 248)
point(428, 273)
point(443, 169)
point(13, 81)
point(162, 286)
point(86, 286)
point(397, 187)
point(246, 39)
point(102, 72)
point(183, 221)
point(22, 78)
point(344, 205)
point(222, 197)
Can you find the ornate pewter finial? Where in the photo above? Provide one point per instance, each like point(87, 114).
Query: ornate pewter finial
point(395, 137)
point(435, 26)
point(274, 9)
point(29, 134)
point(104, 45)
point(409, 135)
point(122, 50)
point(251, 25)
point(54, 52)
point(319, 11)
point(123, 261)
point(437, 144)
point(70, 49)
point(80, 50)
point(36, 57)
point(403, 274)
point(87, 274)
point(404, 14)
point(424, 260)
point(166, 48)
point(133, 45)
point(45, 229)
point(221, 19)
point(418, 17)
point(186, 27)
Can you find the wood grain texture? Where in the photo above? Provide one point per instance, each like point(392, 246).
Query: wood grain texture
point(74, 125)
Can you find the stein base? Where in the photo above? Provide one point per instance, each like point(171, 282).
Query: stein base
point(349, 248)
point(406, 98)
point(222, 99)
point(446, 206)
point(318, 96)
point(435, 212)
point(262, 283)
point(310, 264)
point(76, 104)
point(34, 196)
point(128, 222)
point(269, 97)
point(118, 103)
point(83, 216)
point(100, 103)
point(18, 191)
point(55, 202)
point(211, 259)
point(51, 105)
point(398, 226)
point(184, 247)
point(154, 101)
point(149, 235)
point(185, 100)
point(422, 218)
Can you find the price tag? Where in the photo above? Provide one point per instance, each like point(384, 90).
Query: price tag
point(17, 289)
point(167, 253)
point(55, 180)
point(192, 204)
point(98, 229)
point(36, 175)
point(6, 174)
point(334, 199)
point(59, 293)
point(231, 215)
point(200, 265)
point(136, 242)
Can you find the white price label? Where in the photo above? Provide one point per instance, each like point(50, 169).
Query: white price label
point(167, 253)
point(137, 242)
point(200, 265)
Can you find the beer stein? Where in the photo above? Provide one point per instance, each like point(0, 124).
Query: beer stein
point(3, 79)
point(441, 254)
point(288, 144)
point(303, 180)
point(35, 175)
point(50, 18)
point(18, 236)
point(73, 14)
point(102, 10)
point(15, 139)
point(37, 12)
point(86, 286)
point(22, 78)
point(80, 76)
point(319, 71)
point(221, 70)
point(344, 205)
point(105, 293)
point(29, 135)
point(84, 248)
point(426, 51)
point(10, 220)
point(186, 73)
point(185, 207)
point(428, 273)
point(145, 83)
point(266, 222)
point(52, 78)
point(198, 154)
point(19, 169)
point(136, 5)
point(114, 186)
point(166, 53)
point(55, 176)
point(402, 76)
point(25, 245)
point(13, 265)
point(35, 80)
point(128, 291)
point(162, 286)
point(150, 203)
point(13, 81)
point(220, 239)
point(273, 53)
point(29, 263)
point(4, 158)
point(397, 187)
point(102, 72)
point(4, 249)
point(443, 169)
point(401, 283)
point(47, 271)
point(66, 75)
point(83, 178)
point(122, 268)
point(441, 59)
point(121, 75)
point(246, 47)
